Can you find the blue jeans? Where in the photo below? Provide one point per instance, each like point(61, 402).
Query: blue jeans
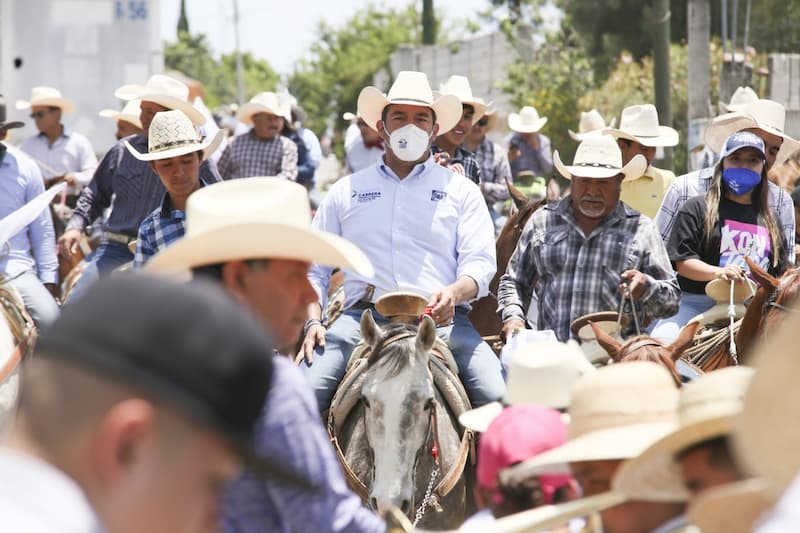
point(108, 256)
point(667, 329)
point(37, 299)
point(478, 366)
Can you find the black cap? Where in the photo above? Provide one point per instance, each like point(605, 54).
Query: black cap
point(3, 124)
point(189, 346)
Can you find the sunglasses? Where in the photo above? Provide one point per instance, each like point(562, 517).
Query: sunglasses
point(40, 114)
point(483, 122)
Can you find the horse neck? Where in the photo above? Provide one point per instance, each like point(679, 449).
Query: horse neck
point(751, 323)
point(509, 237)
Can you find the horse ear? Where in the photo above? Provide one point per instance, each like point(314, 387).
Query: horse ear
point(426, 335)
point(370, 331)
point(761, 276)
point(519, 198)
point(684, 340)
point(609, 343)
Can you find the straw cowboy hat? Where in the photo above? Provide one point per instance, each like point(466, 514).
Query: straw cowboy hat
point(591, 123)
point(731, 508)
point(266, 102)
point(164, 91)
point(172, 134)
point(526, 121)
point(598, 156)
point(741, 97)
point(459, 86)
point(49, 97)
point(410, 88)
point(615, 413)
point(707, 408)
point(640, 123)
point(540, 373)
point(130, 113)
point(7, 125)
point(254, 218)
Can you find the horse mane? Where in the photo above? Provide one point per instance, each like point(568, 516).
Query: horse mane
point(383, 351)
point(517, 221)
point(784, 296)
point(645, 348)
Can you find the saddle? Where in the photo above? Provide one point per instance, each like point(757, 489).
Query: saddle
point(21, 325)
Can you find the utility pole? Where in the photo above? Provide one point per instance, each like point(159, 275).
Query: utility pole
point(428, 23)
point(239, 69)
point(699, 35)
point(661, 69)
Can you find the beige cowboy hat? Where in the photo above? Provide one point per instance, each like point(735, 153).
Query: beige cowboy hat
point(540, 373)
point(49, 97)
point(731, 508)
point(706, 409)
point(640, 123)
point(719, 290)
point(172, 134)
point(526, 121)
point(164, 91)
point(591, 123)
point(266, 102)
point(129, 113)
point(260, 217)
point(459, 86)
point(599, 156)
point(412, 88)
point(615, 413)
point(740, 97)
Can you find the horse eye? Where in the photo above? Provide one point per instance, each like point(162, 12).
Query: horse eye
point(365, 401)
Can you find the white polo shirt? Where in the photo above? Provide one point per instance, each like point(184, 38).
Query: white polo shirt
point(421, 233)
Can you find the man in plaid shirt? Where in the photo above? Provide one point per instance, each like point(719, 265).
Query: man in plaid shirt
point(448, 150)
point(582, 253)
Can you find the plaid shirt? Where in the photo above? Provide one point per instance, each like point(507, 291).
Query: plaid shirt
point(576, 275)
point(247, 155)
point(493, 160)
point(697, 183)
point(466, 159)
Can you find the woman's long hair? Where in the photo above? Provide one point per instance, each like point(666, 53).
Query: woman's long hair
point(760, 200)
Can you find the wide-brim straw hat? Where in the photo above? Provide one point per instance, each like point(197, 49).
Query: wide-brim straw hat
point(410, 88)
point(172, 134)
point(731, 508)
point(640, 123)
point(526, 121)
point(591, 123)
point(164, 91)
point(49, 97)
point(541, 373)
point(600, 157)
point(707, 409)
point(254, 218)
point(740, 98)
point(129, 113)
point(459, 86)
point(266, 102)
point(719, 290)
point(615, 413)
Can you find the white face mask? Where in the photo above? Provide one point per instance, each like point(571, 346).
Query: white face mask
point(409, 143)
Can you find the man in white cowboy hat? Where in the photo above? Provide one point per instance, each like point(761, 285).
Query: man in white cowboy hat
point(254, 237)
point(589, 250)
point(448, 148)
point(127, 119)
point(29, 262)
point(262, 151)
point(528, 149)
point(136, 190)
point(175, 152)
point(493, 160)
point(766, 119)
point(742, 96)
point(590, 123)
point(640, 133)
point(424, 228)
point(61, 154)
point(365, 149)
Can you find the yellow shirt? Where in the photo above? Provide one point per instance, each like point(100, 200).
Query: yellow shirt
point(646, 192)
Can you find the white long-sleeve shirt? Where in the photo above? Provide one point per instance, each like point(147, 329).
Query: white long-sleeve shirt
point(72, 152)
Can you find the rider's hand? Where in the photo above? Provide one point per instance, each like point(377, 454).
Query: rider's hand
point(71, 179)
point(635, 282)
point(511, 328)
point(731, 273)
point(68, 242)
point(443, 304)
point(315, 336)
point(441, 158)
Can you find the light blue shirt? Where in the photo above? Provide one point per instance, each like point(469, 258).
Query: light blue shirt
point(21, 182)
point(421, 233)
point(72, 152)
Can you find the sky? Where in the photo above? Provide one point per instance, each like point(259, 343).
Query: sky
point(280, 31)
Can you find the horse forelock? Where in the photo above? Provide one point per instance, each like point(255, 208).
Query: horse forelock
point(388, 356)
point(645, 348)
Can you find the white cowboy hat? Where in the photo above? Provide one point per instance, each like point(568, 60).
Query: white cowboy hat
point(47, 96)
point(591, 123)
point(411, 88)
point(252, 218)
point(598, 156)
point(707, 408)
point(459, 86)
point(526, 121)
point(172, 134)
point(266, 102)
point(130, 113)
point(164, 91)
point(640, 123)
point(740, 97)
point(540, 373)
point(615, 413)
point(731, 508)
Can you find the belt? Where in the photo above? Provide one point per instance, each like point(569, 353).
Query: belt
point(117, 237)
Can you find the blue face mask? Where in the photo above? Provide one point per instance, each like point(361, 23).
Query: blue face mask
point(740, 180)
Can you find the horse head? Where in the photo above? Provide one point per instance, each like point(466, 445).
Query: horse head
point(399, 398)
point(646, 348)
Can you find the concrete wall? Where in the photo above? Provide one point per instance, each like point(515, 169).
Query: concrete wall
point(784, 87)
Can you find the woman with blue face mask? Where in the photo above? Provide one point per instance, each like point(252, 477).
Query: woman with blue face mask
point(713, 233)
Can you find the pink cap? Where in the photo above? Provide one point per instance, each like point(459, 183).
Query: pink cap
point(519, 433)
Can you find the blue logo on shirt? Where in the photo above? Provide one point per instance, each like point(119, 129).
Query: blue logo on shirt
point(366, 196)
point(438, 196)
